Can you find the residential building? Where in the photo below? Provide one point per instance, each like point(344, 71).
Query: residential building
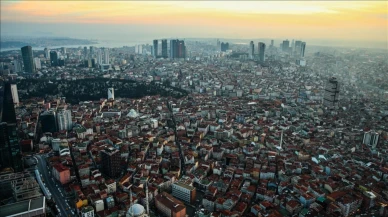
point(184, 192)
point(61, 173)
point(64, 120)
point(87, 211)
point(110, 162)
point(169, 206)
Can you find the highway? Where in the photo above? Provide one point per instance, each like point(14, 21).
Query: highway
point(56, 193)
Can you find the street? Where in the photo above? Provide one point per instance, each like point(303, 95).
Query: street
point(57, 195)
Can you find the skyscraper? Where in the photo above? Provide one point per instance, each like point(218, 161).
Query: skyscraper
point(173, 48)
point(111, 93)
point(261, 51)
point(155, 48)
point(181, 49)
point(63, 49)
point(285, 46)
point(297, 48)
point(331, 96)
point(27, 59)
point(91, 48)
point(251, 50)
point(64, 120)
point(53, 58)
point(224, 46)
point(164, 48)
point(46, 53)
point(302, 49)
point(177, 49)
point(99, 56)
point(85, 52)
point(10, 152)
point(15, 95)
point(106, 55)
point(48, 121)
point(37, 63)
point(110, 162)
point(272, 43)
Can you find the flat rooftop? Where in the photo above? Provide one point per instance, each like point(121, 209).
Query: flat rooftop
point(23, 206)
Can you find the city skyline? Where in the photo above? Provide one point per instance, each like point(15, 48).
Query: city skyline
point(358, 22)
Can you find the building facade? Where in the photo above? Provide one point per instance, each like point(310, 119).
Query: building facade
point(28, 59)
point(331, 95)
point(184, 192)
point(169, 206)
point(110, 162)
point(64, 120)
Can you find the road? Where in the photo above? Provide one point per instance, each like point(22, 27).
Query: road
point(57, 195)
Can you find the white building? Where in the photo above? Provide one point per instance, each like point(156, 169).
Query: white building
point(184, 192)
point(111, 93)
point(15, 96)
point(371, 138)
point(64, 120)
point(99, 57)
point(37, 63)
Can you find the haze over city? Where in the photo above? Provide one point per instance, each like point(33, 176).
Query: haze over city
point(356, 23)
point(194, 109)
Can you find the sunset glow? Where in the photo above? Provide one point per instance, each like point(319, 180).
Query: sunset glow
point(359, 20)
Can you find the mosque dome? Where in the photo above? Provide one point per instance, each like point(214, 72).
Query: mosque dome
point(136, 210)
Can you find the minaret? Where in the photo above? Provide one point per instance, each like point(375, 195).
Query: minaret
point(147, 205)
point(131, 200)
point(281, 140)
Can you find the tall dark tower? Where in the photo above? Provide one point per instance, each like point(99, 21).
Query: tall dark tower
point(155, 47)
point(10, 153)
point(27, 59)
point(261, 51)
point(164, 48)
point(54, 58)
point(302, 49)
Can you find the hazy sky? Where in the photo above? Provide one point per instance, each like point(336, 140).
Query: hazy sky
point(132, 20)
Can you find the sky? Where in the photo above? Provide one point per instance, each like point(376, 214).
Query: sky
point(356, 21)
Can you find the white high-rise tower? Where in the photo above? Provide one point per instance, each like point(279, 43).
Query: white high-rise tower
point(15, 95)
point(64, 120)
point(111, 93)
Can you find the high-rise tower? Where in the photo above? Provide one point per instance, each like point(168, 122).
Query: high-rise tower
point(10, 152)
point(111, 93)
point(261, 51)
point(27, 59)
point(302, 49)
point(286, 46)
point(251, 50)
point(155, 48)
point(164, 48)
point(53, 58)
point(64, 120)
point(331, 96)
